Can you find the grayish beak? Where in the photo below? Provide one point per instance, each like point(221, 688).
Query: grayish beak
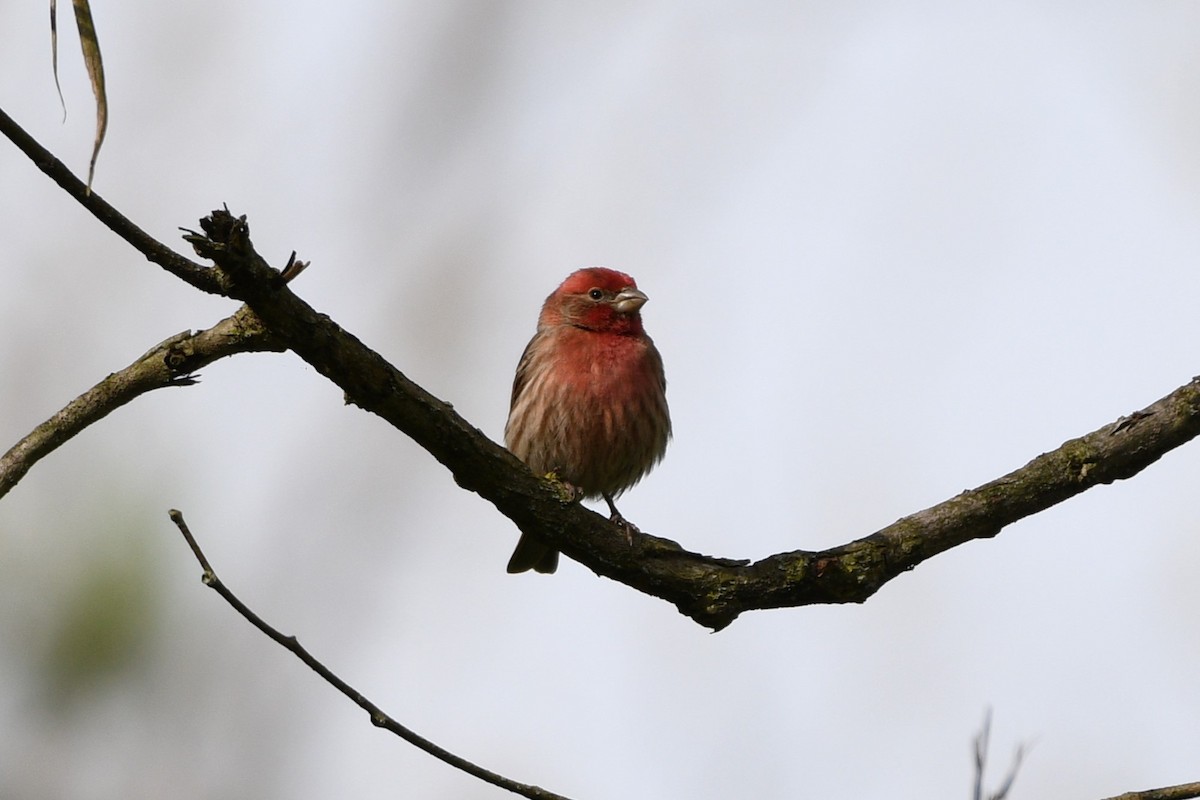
point(629, 301)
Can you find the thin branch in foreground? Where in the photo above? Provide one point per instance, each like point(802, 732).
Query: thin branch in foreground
point(169, 363)
point(378, 717)
point(1183, 791)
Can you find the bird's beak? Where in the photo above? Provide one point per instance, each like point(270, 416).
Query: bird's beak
point(629, 301)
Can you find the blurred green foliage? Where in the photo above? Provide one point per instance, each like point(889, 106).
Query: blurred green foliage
point(104, 623)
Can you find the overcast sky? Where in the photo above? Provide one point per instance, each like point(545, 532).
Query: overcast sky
point(892, 251)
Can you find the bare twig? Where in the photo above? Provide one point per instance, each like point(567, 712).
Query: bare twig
point(292, 269)
point(981, 754)
point(378, 717)
point(1183, 791)
point(981, 749)
point(169, 363)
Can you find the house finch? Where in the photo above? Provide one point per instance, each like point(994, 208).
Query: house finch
point(589, 399)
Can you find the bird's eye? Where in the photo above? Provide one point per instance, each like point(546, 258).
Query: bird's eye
point(595, 294)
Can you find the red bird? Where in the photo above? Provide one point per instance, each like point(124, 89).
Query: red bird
point(589, 400)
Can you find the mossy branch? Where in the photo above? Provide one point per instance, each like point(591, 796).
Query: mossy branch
point(712, 591)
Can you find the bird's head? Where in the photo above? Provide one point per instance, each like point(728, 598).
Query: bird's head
point(596, 299)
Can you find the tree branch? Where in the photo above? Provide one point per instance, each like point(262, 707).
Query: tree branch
point(712, 591)
point(378, 717)
point(1184, 791)
point(169, 363)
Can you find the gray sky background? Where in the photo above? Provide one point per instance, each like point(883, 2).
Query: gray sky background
point(893, 251)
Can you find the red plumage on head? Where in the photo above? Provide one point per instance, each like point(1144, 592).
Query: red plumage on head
point(589, 397)
point(573, 302)
point(581, 280)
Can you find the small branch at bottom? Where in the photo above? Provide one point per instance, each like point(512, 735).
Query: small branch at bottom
point(378, 717)
point(1183, 791)
point(982, 742)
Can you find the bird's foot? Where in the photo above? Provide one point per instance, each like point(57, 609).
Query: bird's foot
point(627, 526)
point(615, 516)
